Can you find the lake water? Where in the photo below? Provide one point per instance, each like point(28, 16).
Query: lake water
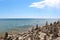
point(7, 24)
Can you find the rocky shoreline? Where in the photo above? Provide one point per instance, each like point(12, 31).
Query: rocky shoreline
point(48, 32)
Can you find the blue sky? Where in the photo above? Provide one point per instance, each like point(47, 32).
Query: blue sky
point(29, 9)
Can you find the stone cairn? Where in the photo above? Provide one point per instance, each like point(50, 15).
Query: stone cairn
point(47, 32)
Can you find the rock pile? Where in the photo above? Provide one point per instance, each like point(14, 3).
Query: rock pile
point(47, 32)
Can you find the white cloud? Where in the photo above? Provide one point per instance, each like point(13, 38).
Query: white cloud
point(46, 3)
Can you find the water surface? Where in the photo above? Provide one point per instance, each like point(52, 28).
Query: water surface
point(7, 24)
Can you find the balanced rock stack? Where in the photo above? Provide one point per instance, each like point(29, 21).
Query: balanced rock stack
point(47, 32)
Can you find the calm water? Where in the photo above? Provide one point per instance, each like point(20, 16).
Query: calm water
point(6, 24)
